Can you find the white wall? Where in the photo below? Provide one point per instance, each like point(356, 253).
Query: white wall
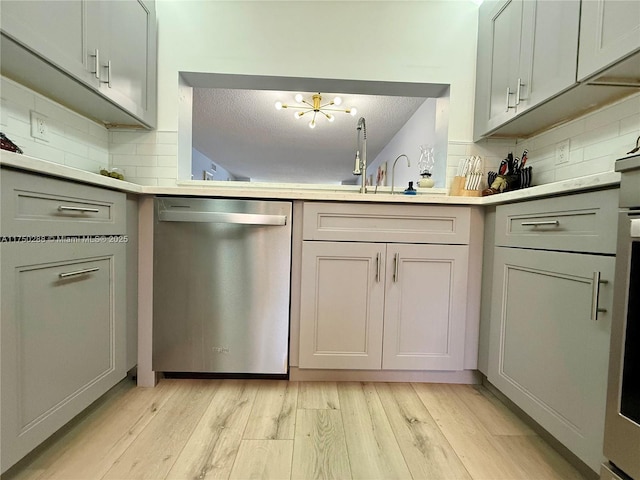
point(201, 162)
point(420, 129)
point(428, 41)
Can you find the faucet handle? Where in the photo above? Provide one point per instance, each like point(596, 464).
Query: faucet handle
point(357, 170)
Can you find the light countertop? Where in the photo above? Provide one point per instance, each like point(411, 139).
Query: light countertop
point(306, 192)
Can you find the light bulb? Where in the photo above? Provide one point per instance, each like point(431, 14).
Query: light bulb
point(312, 124)
point(278, 105)
point(337, 101)
point(353, 111)
point(298, 98)
point(330, 117)
point(297, 115)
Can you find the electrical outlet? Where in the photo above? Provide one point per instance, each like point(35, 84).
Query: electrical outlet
point(39, 127)
point(562, 152)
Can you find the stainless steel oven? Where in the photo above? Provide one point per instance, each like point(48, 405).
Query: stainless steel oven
point(622, 427)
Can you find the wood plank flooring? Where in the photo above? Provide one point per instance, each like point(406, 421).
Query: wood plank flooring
point(261, 429)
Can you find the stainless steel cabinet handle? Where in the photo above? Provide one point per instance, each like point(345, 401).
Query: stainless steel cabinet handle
point(378, 268)
point(221, 217)
point(108, 80)
point(396, 261)
point(78, 272)
point(518, 91)
point(65, 208)
point(509, 93)
point(96, 55)
point(554, 223)
point(595, 294)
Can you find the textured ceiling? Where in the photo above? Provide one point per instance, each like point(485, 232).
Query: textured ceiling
point(242, 131)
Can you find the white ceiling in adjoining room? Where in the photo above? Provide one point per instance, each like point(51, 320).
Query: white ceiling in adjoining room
point(241, 130)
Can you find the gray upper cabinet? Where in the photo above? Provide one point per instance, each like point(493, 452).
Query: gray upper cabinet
point(526, 54)
point(95, 57)
point(40, 23)
point(122, 35)
point(609, 32)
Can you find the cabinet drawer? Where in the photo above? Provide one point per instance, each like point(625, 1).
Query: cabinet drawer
point(37, 205)
point(386, 223)
point(584, 222)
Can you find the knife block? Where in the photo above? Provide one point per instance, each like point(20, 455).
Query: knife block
point(457, 188)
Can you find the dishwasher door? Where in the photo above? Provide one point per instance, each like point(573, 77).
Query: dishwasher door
point(221, 285)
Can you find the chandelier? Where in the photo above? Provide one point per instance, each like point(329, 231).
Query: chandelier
point(316, 107)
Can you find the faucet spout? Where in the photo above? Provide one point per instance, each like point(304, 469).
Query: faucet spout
point(361, 153)
point(393, 169)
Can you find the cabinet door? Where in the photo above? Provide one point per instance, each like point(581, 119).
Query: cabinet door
point(62, 334)
point(499, 49)
point(55, 30)
point(123, 34)
point(609, 31)
point(425, 305)
point(547, 353)
point(342, 303)
point(548, 52)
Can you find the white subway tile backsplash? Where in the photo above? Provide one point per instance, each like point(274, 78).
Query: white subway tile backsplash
point(9, 90)
point(600, 134)
point(81, 162)
point(166, 182)
point(167, 137)
point(133, 160)
point(168, 161)
point(142, 181)
point(73, 140)
point(614, 148)
point(156, 149)
point(99, 156)
point(132, 137)
point(612, 113)
point(157, 172)
point(122, 149)
point(630, 125)
point(16, 110)
point(41, 150)
point(58, 112)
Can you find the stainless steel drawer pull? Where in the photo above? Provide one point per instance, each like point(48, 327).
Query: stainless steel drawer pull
point(550, 223)
point(396, 261)
point(78, 272)
point(377, 267)
point(65, 208)
point(595, 295)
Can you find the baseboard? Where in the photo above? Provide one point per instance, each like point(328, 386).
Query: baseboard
point(471, 377)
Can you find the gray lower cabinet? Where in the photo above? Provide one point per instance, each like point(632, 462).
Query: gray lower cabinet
point(550, 344)
point(609, 32)
point(383, 306)
point(63, 335)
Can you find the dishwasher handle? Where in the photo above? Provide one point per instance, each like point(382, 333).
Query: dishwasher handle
point(221, 217)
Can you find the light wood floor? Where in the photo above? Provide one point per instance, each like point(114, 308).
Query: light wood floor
point(246, 429)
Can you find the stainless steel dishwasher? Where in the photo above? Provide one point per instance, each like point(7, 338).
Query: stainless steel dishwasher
point(221, 285)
